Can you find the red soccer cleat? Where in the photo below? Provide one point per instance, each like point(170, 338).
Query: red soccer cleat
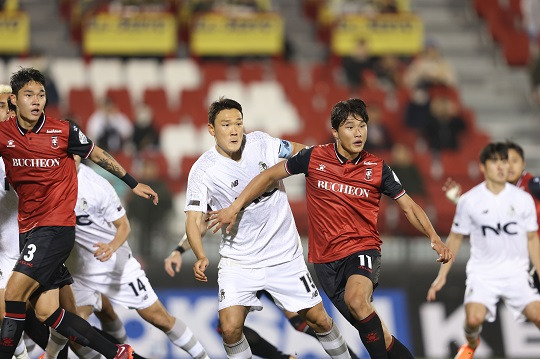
point(124, 352)
point(466, 352)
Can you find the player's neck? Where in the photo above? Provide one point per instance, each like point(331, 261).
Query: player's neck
point(235, 156)
point(495, 187)
point(26, 124)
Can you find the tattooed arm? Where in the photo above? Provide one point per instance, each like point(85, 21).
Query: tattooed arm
point(107, 162)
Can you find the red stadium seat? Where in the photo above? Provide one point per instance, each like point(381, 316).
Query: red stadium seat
point(81, 105)
point(515, 46)
point(122, 99)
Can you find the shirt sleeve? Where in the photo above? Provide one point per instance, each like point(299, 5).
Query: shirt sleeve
point(285, 149)
point(462, 220)
point(299, 163)
point(197, 198)
point(112, 207)
point(390, 184)
point(534, 187)
point(78, 143)
point(530, 219)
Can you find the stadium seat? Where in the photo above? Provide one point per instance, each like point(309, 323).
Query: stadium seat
point(122, 99)
point(515, 47)
point(67, 74)
point(142, 75)
point(178, 141)
point(156, 99)
point(251, 72)
point(231, 89)
point(105, 74)
point(179, 75)
point(81, 105)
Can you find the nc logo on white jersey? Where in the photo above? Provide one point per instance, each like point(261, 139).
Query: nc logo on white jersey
point(10, 143)
point(262, 166)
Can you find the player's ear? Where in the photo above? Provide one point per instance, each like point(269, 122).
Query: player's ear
point(211, 130)
point(335, 134)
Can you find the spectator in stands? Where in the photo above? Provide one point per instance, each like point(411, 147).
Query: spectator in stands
point(388, 69)
point(445, 126)
point(379, 136)
point(417, 114)
point(145, 135)
point(402, 163)
point(42, 63)
point(150, 224)
point(110, 127)
point(429, 68)
point(355, 64)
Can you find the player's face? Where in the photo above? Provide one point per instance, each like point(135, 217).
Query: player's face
point(516, 166)
point(351, 137)
point(495, 170)
point(5, 113)
point(30, 101)
point(228, 130)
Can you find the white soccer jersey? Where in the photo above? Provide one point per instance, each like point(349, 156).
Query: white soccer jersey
point(265, 233)
point(97, 207)
point(9, 228)
point(497, 225)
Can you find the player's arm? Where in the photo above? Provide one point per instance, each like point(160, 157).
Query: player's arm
point(255, 188)
point(534, 249)
point(418, 218)
point(453, 242)
point(104, 251)
point(193, 225)
point(173, 262)
point(103, 159)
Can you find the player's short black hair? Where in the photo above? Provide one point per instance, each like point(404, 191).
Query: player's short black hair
point(220, 105)
point(514, 146)
point(493, 151)
point(343, 109)
point(24, 76)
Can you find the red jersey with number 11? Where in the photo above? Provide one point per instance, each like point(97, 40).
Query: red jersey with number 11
point(41, 169)
point(343, 200)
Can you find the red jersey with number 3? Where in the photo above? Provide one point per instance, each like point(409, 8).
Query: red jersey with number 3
point(40, 167)
point(343, 200)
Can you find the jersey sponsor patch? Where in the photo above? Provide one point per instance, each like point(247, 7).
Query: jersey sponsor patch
point(194, 203)
point(82, 138)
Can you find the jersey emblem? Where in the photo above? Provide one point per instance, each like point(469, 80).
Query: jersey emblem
point(221, 295)
point(511, 211)
point(234, 183)
point(84, 204)
point(321, 167)
point(485, 211)
point(54, 141)
point(369, 174)
point(82, 138)
point(262, 166)
point(10, 143)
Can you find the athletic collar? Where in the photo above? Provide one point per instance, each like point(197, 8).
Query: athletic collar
point(344, 160)
point(37, 127)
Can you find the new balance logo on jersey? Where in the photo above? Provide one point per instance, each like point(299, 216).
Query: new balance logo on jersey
point(497, 231)
point(234, 183)
point(10, 143)
point(343, 188)
point(36, 162)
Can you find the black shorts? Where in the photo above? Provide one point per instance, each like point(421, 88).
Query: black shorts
point(333, 276)
point(43, 253)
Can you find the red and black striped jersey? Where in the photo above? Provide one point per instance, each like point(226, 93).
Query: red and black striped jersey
point(343, 199)
point(40, 167)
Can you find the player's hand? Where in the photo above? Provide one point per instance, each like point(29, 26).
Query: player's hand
point(222, 217)
point(452, 189)
point(436, 286)
point(445, 255)
point(103, 252)
point(145, 191)
point(173, 263)
point(198, 269)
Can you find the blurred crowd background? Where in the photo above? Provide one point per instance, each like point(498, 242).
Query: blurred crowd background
point(441, 78)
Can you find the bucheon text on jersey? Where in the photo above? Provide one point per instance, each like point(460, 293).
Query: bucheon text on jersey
point(343, 188)
point(36, 162)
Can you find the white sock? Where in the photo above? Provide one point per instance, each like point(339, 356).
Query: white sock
point(20, 350)
point(239, 350)
point(181, 336)
point(56, 343)
point(334, 344)
point(116, 329)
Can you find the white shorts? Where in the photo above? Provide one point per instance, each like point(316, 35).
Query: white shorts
point(6, 267)
point(290, 285)
point(516, 292)
point(136, 294)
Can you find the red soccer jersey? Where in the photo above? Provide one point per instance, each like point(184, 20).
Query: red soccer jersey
point(531, 185)
point(342, 200)
point(40, 167)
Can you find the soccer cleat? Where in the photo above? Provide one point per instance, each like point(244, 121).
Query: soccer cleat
point(23, 355)
point(42, 356)
point(124, 352)
point(466, 352)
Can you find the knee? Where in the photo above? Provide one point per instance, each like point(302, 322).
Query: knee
point(231, 332)
point(42, 314)
point(318, 319)
point(474, 321)
point(359, 305)
point(535, 318)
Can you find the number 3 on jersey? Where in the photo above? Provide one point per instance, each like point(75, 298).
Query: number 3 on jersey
point(30, 250)
point(140, 285)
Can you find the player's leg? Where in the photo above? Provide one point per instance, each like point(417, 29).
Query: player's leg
point(111, 324)
point(475, 315)
point(532, 313)
point(20, 350)
point(177, 331)
point(262, 348)
point(231, 321)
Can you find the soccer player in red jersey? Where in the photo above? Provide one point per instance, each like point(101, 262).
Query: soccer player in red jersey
point(38, 153)
point(344, 185)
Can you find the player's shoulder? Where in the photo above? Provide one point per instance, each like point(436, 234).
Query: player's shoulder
point(8, 124)
point(92, 178)
point(516, 192)
point(257, 136)
point(205, 161)
point(369, 159)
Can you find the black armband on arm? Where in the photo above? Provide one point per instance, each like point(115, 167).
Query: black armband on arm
point(130, 181)
point(180, 249)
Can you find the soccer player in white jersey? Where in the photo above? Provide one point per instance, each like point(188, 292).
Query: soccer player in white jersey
point(500, 220)
point(263, 250)
point(102, 263)
point(9, 228)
